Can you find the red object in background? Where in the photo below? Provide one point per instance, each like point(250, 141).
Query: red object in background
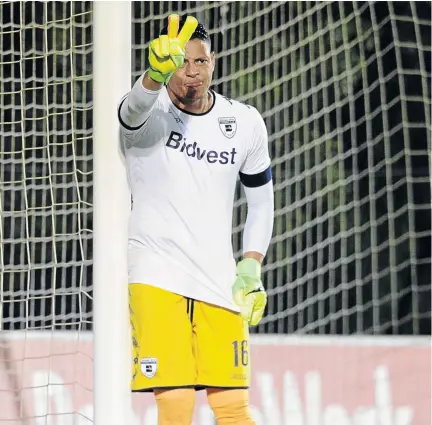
point(296, 381)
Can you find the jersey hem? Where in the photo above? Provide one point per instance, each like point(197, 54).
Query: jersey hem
point(185, 294)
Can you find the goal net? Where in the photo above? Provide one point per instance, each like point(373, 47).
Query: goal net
point(344, 88)
point(45, 207)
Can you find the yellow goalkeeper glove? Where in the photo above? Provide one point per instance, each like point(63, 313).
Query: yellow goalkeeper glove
point(166, 53)
point(248, 291)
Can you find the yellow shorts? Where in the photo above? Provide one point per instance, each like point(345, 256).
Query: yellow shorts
point(180, 342)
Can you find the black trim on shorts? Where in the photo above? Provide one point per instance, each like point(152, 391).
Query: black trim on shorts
point(192, 310)
point(195, 387)
point(190, 304)
point(169, 387)
point(205, 387)
point(123, 124)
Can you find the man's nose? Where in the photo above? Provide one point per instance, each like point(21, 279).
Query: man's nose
point(191, 69)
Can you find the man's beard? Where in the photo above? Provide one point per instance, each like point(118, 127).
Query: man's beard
point(189, 98)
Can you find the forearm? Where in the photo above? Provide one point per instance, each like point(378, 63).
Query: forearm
point(259, 221)
point(255, 255)
point(150, 84)
point(137, 106)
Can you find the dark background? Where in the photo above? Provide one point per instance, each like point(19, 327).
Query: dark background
point(344, 89)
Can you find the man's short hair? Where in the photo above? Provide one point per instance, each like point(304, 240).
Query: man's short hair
point(200, 32)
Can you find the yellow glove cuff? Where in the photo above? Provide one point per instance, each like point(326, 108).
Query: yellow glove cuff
point(249, 267)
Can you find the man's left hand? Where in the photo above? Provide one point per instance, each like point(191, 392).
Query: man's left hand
point(248, 291)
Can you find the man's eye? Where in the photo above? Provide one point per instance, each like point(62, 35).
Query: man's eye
point(201, 61)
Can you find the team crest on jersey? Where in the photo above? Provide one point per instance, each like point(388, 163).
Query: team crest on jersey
point(228, 126)
point(149, 366)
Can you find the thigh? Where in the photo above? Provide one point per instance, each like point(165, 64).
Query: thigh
point(221, 347)
point(161, 339)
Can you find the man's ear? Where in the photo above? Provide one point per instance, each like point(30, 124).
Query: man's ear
point(213, 58)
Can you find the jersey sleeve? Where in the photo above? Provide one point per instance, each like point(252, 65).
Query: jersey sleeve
point(135, 110)
point(256, 169)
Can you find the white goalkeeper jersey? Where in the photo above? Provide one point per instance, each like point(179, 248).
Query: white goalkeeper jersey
point(183, 170)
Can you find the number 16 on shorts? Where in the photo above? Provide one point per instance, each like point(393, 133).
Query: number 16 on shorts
point(241, 353)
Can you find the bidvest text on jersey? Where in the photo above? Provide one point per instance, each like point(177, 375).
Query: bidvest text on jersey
point(194, 151)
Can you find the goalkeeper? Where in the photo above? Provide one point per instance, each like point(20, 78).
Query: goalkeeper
point(190, 303)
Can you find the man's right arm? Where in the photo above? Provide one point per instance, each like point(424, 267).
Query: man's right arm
point(135, 108)
point(166, 55)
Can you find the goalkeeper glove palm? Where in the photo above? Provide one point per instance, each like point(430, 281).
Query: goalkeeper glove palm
point(248, 291)
point(166, 53)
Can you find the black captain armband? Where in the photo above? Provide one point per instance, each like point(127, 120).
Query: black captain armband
point(256, 180)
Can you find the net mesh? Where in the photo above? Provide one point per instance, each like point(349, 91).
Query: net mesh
point(344, 88)
point(46, 165)
point(345, 92)
point(45, 207)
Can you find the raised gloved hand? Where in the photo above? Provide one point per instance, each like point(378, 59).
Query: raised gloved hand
point(166, 53)
point(248, 291)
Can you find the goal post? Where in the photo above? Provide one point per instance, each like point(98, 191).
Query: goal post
point(111, 207)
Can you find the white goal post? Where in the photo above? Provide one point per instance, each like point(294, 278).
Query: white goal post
point(111, 208)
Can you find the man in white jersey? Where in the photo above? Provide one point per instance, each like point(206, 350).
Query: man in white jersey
point(190, 303)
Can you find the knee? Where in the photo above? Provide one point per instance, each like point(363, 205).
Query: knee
point(175, 407)
point(230, 407)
